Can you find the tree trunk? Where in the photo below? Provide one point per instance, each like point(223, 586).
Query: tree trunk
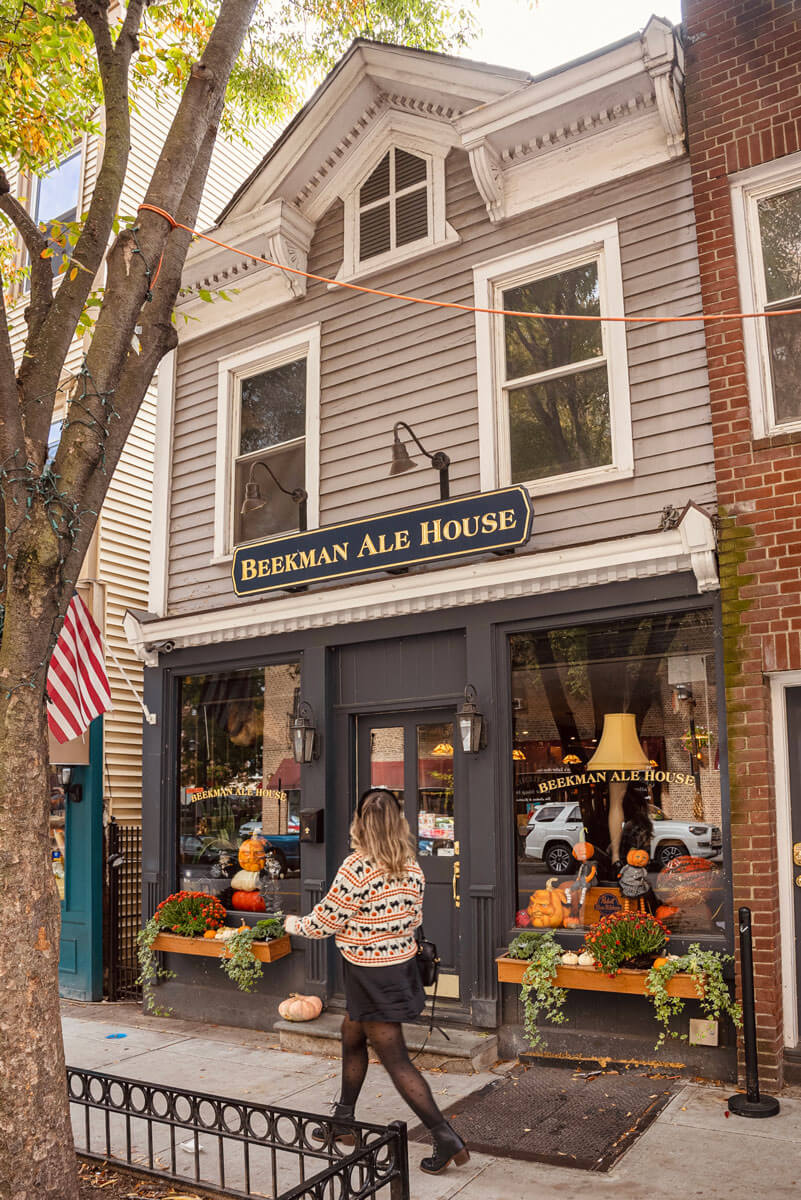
point(37, 1159)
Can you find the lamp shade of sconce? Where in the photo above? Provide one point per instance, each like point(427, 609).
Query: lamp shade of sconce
point(442, 750)
point(401, 459)
point(470, 722)
point(518, 756)
point(619, 748)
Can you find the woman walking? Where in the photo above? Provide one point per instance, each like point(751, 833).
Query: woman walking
point(373, 908)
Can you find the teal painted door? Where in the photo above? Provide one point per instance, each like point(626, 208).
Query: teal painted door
point(80, 969)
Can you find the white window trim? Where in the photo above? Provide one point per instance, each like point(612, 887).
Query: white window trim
point(489, 279)
point(747, 189)
point(230, 371)
point(779, 684)
point(440, 233)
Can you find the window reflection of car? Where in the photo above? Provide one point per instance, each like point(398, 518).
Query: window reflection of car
point(554, 830)
point(285, 846)
point(199, 850)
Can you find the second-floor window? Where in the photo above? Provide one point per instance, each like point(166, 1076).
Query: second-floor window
point(554, 407)
point(267, 439)
point(780, 243)
point(55, 197)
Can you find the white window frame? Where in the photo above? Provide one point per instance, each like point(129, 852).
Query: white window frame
point(231, 370)
point(747, 189)
point(600, 243)
point(439, 233)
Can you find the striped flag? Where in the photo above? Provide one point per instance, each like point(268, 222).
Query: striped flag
point(77, 684)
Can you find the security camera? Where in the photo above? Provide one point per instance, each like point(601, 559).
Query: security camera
point(161, 647)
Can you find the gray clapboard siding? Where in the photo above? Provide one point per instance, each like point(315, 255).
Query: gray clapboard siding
point(384, 360)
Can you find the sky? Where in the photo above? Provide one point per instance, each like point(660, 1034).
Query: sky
point(535, 37)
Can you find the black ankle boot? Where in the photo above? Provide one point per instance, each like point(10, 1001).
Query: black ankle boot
point(340, 1133)
point(448, 1148)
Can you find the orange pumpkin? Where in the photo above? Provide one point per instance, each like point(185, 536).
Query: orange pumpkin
point(300, 1008)
point(665, 912)
point(546, 907)
point(583, 851)
point(247, 902)
point(660, 962)
point(252, 855)
point(637, 858)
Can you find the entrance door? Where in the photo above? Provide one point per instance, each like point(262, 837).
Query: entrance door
point(794, 746)
point(416, 755)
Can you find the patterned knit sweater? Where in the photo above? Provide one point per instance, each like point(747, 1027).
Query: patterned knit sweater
point(372, 917)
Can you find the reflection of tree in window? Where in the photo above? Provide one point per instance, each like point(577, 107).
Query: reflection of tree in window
point(780, 232)
point(556, 378)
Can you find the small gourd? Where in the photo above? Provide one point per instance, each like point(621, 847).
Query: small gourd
point(585, 959)
point(300, 1008)
point(245, 881)
point(660, 962)
point(570, 958)
point(252, 854)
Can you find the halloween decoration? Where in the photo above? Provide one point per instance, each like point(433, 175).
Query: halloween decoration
point(247, 902)
point(576, 893)
point(686, 880)
point(634, 879)
point(618, 750)
point(546, 907)
point(245, 881)
point(252, 854)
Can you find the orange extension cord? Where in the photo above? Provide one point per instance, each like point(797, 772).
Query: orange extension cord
point(471, 308)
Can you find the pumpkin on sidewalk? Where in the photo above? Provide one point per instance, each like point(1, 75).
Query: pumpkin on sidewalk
point(300, 1008)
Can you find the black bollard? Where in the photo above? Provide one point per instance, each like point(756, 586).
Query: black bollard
point(751, 1104)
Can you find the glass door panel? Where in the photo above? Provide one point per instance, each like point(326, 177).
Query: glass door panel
point(435, 814)
point(387, 759)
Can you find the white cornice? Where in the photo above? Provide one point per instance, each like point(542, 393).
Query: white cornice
point(480, 582)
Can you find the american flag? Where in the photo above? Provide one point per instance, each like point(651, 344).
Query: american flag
point(77, 684)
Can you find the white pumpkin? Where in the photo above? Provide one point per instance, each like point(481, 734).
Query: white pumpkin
point(300, 1008)
point(245, 881)
point(569, 958)
point(585, 959)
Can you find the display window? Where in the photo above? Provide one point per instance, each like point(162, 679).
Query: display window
point(615, 753)
point(58, 830)
point(239, 791)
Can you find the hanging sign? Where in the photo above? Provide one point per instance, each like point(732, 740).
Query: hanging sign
point(429, 533)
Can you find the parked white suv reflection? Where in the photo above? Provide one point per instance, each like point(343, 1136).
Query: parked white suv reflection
point(555, 829)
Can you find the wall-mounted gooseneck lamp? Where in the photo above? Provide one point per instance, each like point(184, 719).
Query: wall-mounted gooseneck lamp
point(402, 460)
point(254, 499)
point(470, 721)
point(72, 791)
point(304, 734)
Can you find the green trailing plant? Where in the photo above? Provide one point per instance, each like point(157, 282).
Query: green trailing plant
point(625, 936)
point(149, 970)
point(539, 994)
point(238, 960)
point(525, 945)
point(706, 969)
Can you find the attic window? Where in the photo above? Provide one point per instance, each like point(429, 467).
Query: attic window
point(393, 204)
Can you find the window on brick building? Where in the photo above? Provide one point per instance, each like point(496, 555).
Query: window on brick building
point(766, 203)
point(560, 416)
point(238, 782)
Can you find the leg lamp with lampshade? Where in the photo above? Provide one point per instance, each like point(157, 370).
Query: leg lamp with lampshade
point(618, 750)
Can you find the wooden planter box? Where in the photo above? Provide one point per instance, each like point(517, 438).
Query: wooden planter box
point(588, 979)
point(173, 943)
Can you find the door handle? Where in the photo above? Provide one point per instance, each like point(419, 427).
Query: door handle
point(457, 871)
point(797, 854)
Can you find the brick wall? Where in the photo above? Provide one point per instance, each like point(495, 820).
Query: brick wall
point(743, 98)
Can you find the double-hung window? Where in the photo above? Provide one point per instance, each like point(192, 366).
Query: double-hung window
point(553, 389)
point(766, 205)
point(55, 198)
point(267, 444)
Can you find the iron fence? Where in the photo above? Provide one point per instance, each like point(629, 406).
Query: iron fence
point(124, 909)
point(234, 1147)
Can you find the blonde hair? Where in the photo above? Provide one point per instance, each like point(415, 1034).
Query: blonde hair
point(381, 833)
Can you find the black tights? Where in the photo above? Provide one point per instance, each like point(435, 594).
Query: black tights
point(386, 1038)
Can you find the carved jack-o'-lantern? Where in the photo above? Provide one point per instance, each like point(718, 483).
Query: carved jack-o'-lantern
point(637, 858)
point(546, 907)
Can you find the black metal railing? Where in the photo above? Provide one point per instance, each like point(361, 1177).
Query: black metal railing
point(236, 1147)
point(124, 909)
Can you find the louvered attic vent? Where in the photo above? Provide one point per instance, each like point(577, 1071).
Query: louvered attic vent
point(393, 204)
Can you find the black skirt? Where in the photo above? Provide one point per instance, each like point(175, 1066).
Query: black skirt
point(390, 993)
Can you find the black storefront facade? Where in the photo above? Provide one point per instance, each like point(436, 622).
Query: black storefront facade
point(546, 646)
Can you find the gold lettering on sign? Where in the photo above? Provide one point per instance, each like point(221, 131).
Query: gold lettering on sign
point(264, 568)
point(308, 559)
point(340, 551)
point(248, 568)
point(368, 547)
point(489, 523)
point(508, 519)
point(430, 532)
point(324, 557)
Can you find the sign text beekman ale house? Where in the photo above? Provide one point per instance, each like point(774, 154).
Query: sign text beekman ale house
point(487, 521)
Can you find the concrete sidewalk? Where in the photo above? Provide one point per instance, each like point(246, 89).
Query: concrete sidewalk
point(693, 1149)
